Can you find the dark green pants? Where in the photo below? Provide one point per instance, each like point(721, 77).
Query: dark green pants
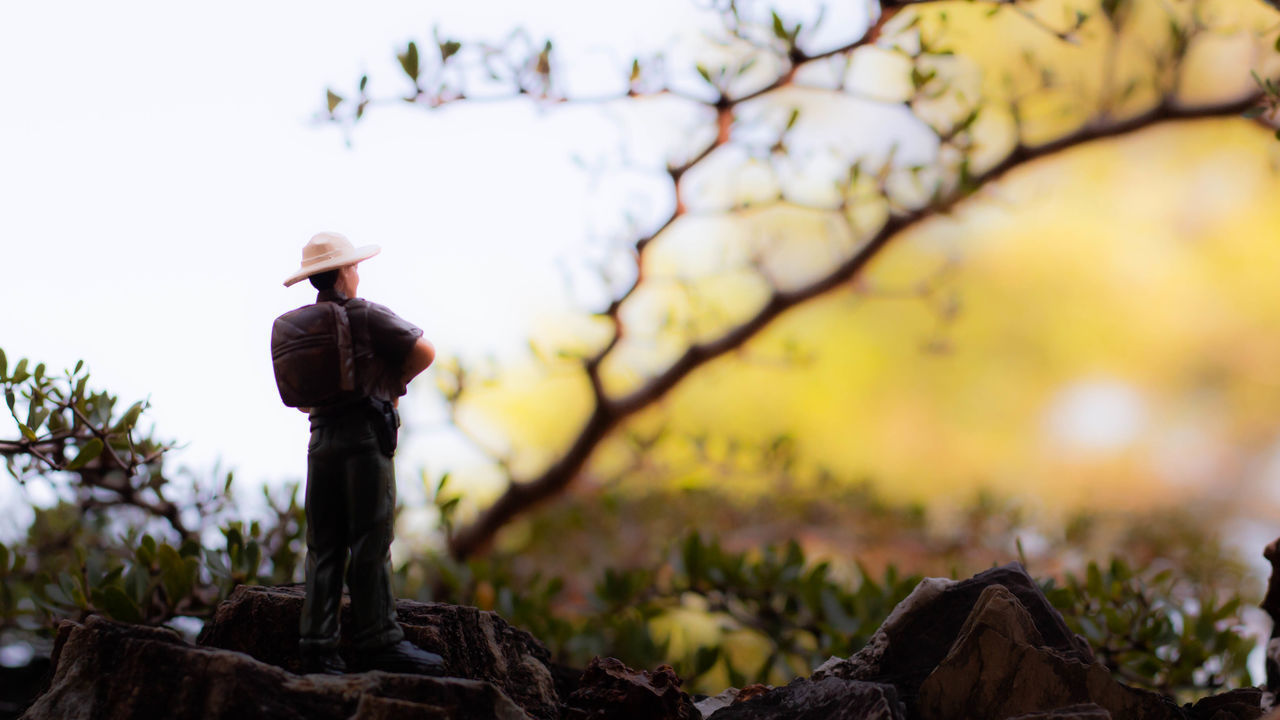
point(350, 506)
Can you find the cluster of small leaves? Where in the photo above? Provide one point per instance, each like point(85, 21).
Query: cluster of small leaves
point(450, 72)
point(155, 584)
point(124, 539)
point(61, 425)
point(803, 612)
point(1153, 631)
point(139, 578)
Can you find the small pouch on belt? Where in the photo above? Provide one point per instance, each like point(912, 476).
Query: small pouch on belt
point(387, 423)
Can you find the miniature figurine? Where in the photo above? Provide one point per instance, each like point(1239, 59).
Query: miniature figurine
point(346, 362)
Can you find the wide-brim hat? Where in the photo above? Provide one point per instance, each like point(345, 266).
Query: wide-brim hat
point(329, 251)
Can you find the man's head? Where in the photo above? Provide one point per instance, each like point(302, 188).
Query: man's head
point(345, 279)
point(327, 252)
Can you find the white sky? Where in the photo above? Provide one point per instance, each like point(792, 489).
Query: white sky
point(160, 170)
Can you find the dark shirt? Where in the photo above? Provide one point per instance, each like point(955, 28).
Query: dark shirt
point(382, 341)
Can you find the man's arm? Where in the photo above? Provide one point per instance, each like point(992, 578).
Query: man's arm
point(421, 355)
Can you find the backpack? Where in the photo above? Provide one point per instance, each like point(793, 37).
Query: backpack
point(313, 356)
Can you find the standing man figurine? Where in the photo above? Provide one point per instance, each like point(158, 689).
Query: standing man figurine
point(346, 362)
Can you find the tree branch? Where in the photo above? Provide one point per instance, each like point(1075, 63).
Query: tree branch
point(608, 413)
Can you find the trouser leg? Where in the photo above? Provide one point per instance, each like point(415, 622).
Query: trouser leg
point(326, 552)
point(371, 501)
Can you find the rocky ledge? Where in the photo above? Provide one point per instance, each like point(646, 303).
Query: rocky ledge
point(987, 648)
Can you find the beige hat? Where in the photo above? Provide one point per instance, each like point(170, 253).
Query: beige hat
point(329, 251)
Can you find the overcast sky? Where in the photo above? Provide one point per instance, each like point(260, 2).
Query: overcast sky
point(161, 168)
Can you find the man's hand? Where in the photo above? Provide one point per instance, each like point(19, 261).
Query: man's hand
point(420, 358)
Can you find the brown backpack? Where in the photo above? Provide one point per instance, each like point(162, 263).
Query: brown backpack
point(313, 356)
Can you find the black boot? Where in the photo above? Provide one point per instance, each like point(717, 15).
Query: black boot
point(401, 657)
point(325, 661)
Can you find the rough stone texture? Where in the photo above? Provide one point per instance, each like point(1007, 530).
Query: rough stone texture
point(920, 632)
point(708, 706)
point(830, 698)
point(612, 691)
point(109, 671)
point(1087, 711)
point(1000, 667)
point(1271, 603)
point(263, 622)
point(1241, 704)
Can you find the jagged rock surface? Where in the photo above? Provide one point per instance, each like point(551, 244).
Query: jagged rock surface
point(1088, 711)
point(1001, 667)
point(987, 648)
point(922, 629)
point(990, 648)
point(830, 698)
point(1241, 704)
point(610, 690)
point(263, 622)
point(110, 671)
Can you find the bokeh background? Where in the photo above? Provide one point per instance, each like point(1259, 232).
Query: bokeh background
point(1075, 361)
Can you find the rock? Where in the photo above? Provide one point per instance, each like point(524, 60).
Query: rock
point(708, 706)
point(263, 623)
point(921, 630)
point(830, 698)
point(110, 671)
point(1241, 704)
point(609, 690)
point(1271, 603)
point(1001, 666)
point(1087, 711)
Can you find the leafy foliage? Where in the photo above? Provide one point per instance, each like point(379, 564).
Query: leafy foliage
point(765, 616)
point(1154, 631)
point(732, 617)
point(764, 612)
point(126, 538)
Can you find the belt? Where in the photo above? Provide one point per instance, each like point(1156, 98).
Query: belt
point(348, 409)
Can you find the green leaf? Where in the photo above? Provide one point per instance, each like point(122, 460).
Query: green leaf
point(119, 606)
point(334, 100)
point(130, 417)
point(705, 73)
point(448, 49)
point(190, 548)
point(4, 365)
point(779, 30)
point(173, 573)
point(10, 398)
point(27, 432)
point(795, 115)
point(88, 452)
point(36, 414)
point(146, 551)
point(705, 658)
point(252, 558)
point(20, 372)
point(111, 576)
point(4, 559)
point(409, 61)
